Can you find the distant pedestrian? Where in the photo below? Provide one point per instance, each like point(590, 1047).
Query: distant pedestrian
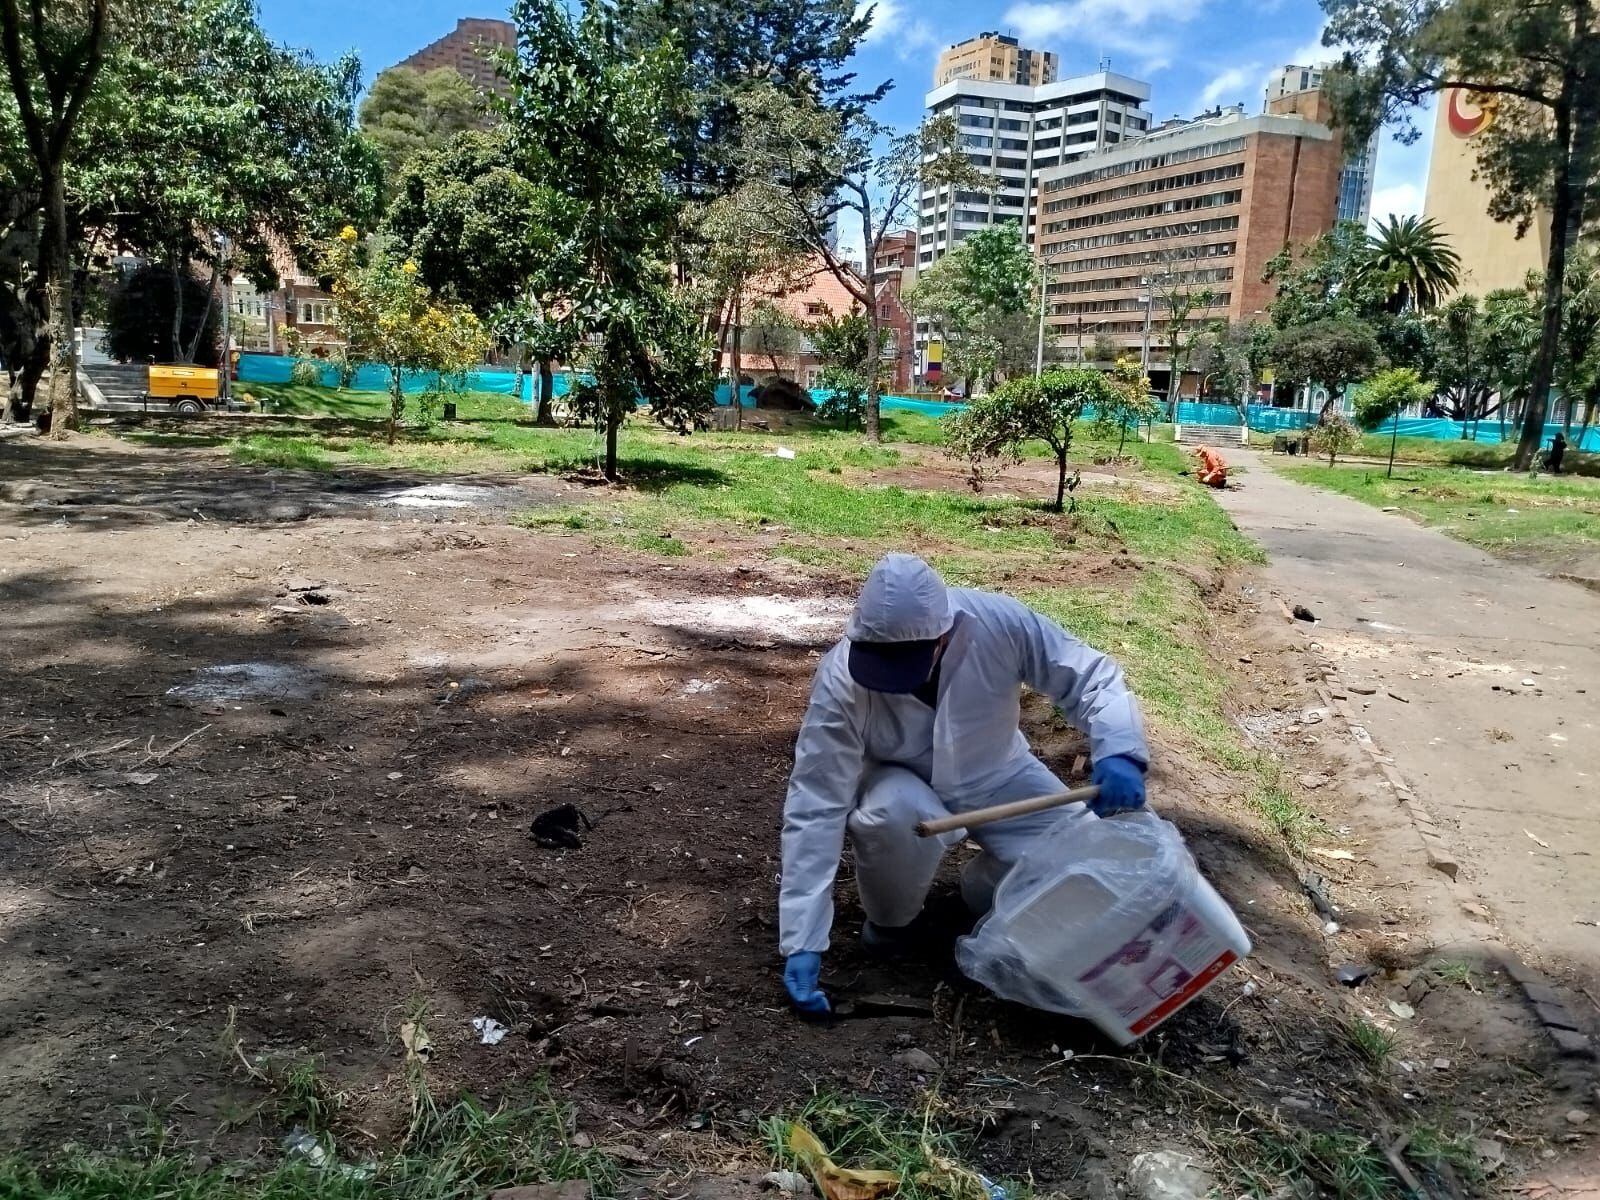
point(1558, 451)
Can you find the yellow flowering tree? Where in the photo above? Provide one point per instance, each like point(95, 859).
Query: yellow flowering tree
point(390, 319)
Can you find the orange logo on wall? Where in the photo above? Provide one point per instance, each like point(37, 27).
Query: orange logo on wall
point(1469, 112)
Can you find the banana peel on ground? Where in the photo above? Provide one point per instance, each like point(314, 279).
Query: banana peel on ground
point(833, 1181)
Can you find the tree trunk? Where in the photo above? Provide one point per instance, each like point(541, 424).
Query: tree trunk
point(737, 348)
point(869, 252)
point(546, 413)
point(1394, 440)
point(1061, 480)
point(193, 348)
point(58, 304)
point(397, 401)
point(524, 354)
point(175, 335)
point(1566, 222)
point(25, 381)
point(613, 423)
point(1121, 441)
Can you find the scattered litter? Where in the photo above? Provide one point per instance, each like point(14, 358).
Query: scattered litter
point(790, 1183)
point(490, 1032)
point(1339, 855)
point(1399, 697)
point(393, 775)
point(1585, 921)
point(305, 1146)
point(142, 778)
point(1316, 890)
point(1577, 1116)
point(1441, 1064)
point(561, 827)
point(1331, 928)
point(1402, 1010)
point(793, 620)
point(1169, 1175)
point(1355, 974)
point(1250, 989)
point(415, 1039)
point(1530, 683)
point(833, 1181)
point(782, 452)
point(1537, 839)
point(1362, 689)
point(696, 687)
point(1491, 1154)
point(1302, 613)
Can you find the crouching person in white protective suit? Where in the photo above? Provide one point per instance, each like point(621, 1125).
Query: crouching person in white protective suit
point(914, 715)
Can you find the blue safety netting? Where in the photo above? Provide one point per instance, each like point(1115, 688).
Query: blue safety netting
point(278, 368)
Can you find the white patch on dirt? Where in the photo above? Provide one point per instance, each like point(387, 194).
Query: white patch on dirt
point(796, 620)
point(438, 495)
point(249, 681)
point(697, 687)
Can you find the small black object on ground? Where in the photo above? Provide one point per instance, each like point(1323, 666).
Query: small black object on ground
point(1355, 974)
point(561, 827)
point(1302, 613)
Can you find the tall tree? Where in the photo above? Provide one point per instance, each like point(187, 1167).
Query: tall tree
point(590, 118)
point(1177, 291)
point(482, 233)
point(1415, 261)
point(53, 55)
point(982, 297)
point(1334, 352)
point(407, 111)
point(830, 168)
point(1535, 69)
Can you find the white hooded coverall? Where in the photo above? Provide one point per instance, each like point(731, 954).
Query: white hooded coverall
point(875, 763)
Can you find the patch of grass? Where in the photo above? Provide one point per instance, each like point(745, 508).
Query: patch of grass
point(464, 1150)
point(658, 543)
point(1286, 816)
point(1435, 1151)
point(1501, 512)
point(1157, 630)
point(1374, 1044)
point(1456, 973)
point(1344, 1165)
point(861, 1134)
point(305, 453)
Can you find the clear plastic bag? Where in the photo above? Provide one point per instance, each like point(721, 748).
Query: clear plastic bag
point(1104, 919)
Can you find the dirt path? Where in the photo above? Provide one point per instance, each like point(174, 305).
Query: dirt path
point(1484, 681)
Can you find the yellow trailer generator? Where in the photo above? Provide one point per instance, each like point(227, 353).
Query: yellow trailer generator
point(187, 389)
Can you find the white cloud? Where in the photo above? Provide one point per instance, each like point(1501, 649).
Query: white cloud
point(1141, 29)
point(887, 18)
point(1399, 200)
point(1234, 84)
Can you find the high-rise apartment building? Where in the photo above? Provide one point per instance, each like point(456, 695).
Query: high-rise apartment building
point(1011, 133)
point(1361, 160)
point(995, 56)
point(464, 48)
point(1196, 207)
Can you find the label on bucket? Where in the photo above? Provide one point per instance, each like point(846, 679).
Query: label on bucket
point(1151, 976)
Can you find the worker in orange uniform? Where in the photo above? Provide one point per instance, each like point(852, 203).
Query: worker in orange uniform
point(1213, 471)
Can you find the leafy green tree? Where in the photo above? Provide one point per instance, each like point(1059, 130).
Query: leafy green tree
point(975, 295)
point(1128, 402)
point(1174, 298)
point(1466, 360)
point(1386, 395)
point(1325, 279)
point(483, 233)
point(998, 425)
point(1333, 351)
point(829, 165)
point(53, 54)
point(1334, 435)
point(388, 317)
point(1533, 67)
point(1415, 261)
point(140, 314)
point(407, 111)
point(589, 119)
point(847, 367)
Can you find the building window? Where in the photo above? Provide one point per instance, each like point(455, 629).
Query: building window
point(815, 308)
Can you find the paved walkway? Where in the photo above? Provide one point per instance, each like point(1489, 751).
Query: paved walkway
point(1486, 679)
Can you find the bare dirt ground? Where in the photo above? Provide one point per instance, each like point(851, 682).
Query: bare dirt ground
point(271, 744)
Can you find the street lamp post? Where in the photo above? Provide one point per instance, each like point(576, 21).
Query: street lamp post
point(1044, 296)
point(1144, 342)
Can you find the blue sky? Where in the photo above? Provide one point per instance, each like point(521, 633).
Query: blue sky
point(1194, 53)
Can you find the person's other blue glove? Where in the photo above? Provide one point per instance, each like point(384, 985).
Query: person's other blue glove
point(800, 975)
point(1121, 783)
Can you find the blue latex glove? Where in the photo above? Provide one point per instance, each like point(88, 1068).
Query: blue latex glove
point(1121, 783)
point(800, 980)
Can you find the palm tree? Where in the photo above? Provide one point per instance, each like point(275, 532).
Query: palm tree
point(1416, 260)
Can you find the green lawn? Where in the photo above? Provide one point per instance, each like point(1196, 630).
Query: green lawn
point(1502, 512)
point(1492, 456)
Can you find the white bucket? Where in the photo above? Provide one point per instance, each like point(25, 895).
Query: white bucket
point(1108, 920)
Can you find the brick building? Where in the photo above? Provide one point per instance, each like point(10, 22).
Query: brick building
point(1195, 205)
point(463, 49)
point(895, 265)
point(780, 349)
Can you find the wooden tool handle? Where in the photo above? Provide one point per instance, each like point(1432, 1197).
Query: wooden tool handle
point(1001, 812)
